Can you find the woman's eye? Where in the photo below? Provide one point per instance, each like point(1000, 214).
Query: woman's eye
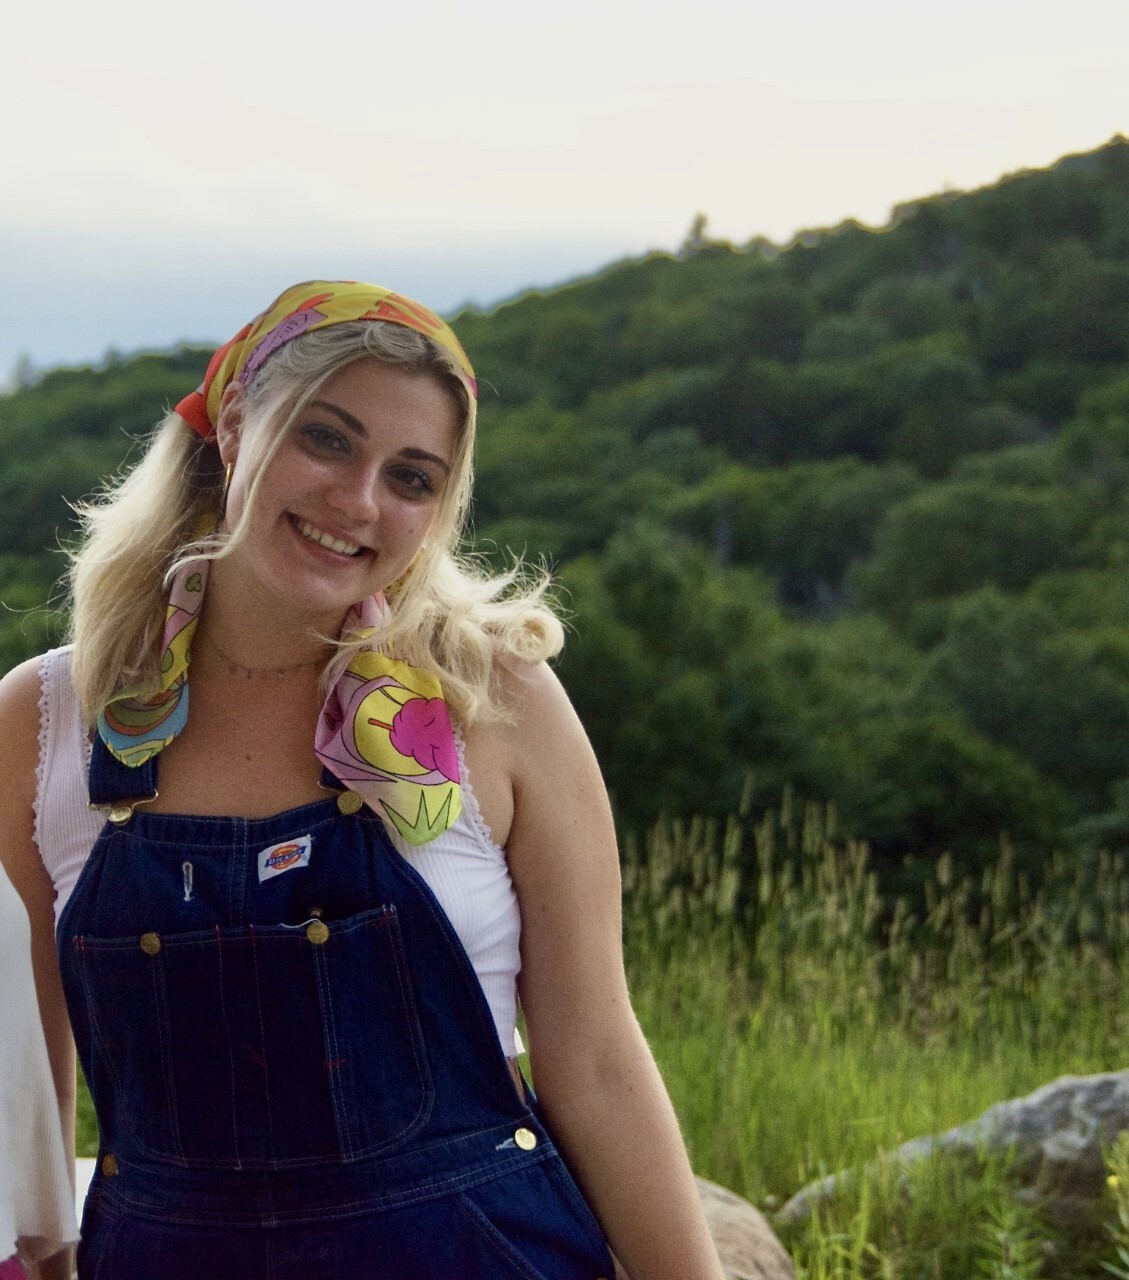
point(324, 439)
point(413, 481)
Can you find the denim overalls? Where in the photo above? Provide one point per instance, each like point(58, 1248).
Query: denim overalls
point(294, 1068)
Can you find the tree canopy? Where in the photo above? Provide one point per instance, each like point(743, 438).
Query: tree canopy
point(852, 513)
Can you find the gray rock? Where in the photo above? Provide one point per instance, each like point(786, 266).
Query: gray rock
point(748, 1247)
point(1055, 1137)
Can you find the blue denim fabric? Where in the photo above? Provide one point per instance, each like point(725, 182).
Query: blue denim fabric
point(277, 1100)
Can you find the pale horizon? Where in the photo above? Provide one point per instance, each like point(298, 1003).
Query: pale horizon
point(166, 175)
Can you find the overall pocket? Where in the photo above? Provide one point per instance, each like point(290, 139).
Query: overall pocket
point(259, 1047)
point(536, 1224)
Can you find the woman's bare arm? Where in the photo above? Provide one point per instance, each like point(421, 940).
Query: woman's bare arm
point(594, 1074)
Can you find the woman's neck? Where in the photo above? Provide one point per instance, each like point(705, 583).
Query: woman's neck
point(240, 629)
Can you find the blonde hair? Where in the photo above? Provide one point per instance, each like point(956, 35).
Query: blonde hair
point(448, 612)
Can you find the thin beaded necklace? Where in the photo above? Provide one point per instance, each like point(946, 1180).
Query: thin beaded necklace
point(237, 668)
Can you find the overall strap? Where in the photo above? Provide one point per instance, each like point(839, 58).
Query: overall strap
point(110, 782)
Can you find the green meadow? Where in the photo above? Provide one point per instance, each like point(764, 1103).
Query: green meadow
point(806, 1023)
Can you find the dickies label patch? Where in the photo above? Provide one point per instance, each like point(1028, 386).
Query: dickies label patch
point(284, 857)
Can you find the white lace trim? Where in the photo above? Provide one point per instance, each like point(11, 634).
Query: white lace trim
point(470, 800)
point(46, 688)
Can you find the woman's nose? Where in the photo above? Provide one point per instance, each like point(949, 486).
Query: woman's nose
point(356, 494)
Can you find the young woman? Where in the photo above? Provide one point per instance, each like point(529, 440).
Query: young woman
point(344, 816)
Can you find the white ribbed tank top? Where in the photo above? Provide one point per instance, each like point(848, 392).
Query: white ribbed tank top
point(36, 1200)
point(463, 867)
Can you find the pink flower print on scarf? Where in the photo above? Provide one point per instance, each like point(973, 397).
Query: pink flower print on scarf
point(422, 730)
point(385, 732)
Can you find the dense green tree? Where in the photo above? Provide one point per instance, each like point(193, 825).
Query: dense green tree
point(845, 337)
point(906, 768)
point(1026, 682)
point(1067, 307)
point(775, 321)
point(910, 307)
point(652, 672)
point(690, 681)
point(1085, 600)
point(805, 524)
point(956, 537)
point(1046, 387)
point(1093, 447)
point(667, 399)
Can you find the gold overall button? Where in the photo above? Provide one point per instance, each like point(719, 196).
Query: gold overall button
point(349, 802)
point(120, 813)
point(526, 1139)
point(317, 932)
point(150, 943)
point(110, 1166)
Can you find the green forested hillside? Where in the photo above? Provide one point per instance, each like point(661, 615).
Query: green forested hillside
point(852, 514)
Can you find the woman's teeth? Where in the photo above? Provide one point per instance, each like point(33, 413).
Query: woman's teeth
point(314, 534)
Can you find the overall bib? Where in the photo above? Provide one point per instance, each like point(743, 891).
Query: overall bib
point(294, 1068)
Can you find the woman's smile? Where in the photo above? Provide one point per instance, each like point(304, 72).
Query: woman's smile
point(323, 538)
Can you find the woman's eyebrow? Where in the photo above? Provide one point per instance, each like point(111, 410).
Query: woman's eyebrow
point(422, 455)
point(357, 426)
point(354, 424)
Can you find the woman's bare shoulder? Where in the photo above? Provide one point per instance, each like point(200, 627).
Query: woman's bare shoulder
point(19, 707)
point(535, 737)
point(19, 731)
point(552, 765)
point(19, 756)
point(533, 700)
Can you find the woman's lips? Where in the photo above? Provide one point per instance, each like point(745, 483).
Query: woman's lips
point(327, 541)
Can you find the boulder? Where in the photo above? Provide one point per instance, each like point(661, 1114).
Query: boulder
point(748, 1247)
point(1055, 1137)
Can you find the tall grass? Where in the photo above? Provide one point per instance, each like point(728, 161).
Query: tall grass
point(805, 1023)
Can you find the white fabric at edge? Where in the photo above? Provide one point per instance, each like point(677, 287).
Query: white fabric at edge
point(36, 1200)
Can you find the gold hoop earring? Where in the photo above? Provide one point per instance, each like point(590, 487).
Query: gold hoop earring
point(226, 485)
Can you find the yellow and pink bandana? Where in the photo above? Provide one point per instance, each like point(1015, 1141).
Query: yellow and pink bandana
point(384, 729)
point(314, 304)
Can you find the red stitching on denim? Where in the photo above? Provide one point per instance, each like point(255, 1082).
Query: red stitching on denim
point(263, 1035)
point(230, 1051)
point(157, 976)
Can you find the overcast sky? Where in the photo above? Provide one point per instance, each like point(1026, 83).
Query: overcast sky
point(168, 169)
